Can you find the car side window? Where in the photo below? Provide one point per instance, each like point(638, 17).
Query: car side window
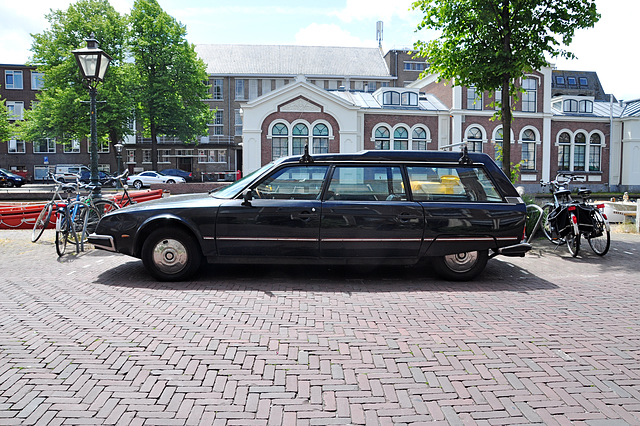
point(450, 184)
point(293, 183)
point(366, 183)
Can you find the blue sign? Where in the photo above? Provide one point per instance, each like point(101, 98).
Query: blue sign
point(46, 160)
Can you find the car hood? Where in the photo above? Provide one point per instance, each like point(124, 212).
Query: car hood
point(176, 202)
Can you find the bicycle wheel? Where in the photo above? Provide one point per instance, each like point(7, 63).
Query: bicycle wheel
point(600, 238)
point(42, 222)
point(62, 231)
point(104, 206)
point(546, 225)
point(573, 243)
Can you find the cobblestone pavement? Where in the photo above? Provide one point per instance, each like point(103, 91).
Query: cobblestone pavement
point(545, 339)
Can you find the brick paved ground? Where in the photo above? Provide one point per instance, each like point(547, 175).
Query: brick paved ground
point(91, 339)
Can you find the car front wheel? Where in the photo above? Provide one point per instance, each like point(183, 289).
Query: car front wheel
point(171, 181)
point(137, 184)
point(171, 254)
point(461, 266)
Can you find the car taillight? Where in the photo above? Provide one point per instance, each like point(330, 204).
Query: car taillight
point(600, 206)
point(571, 208)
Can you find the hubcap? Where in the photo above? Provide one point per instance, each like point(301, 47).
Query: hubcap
point(170, 256)
point(461, 262)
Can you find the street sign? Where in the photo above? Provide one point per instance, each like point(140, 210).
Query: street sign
point(46, 160)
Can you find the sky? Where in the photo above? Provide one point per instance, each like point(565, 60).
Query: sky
point(610, 48)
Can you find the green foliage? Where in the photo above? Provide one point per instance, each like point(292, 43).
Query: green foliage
point(490, 44)
point(514, 171)
point(62, 111)
point(6, 129)
point(171, 78)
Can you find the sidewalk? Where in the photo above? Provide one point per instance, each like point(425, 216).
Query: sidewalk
point(545, 339)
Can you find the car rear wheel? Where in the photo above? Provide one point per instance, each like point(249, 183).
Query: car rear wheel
point(171, 254)
point(9, 184)
point(461, 266)
point(137, 184)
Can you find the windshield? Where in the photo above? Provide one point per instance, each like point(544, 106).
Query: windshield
point(235, 188)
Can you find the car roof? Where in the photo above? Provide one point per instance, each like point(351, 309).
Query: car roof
point(395, 156)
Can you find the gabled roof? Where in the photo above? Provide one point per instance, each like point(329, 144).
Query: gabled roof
point(287, 61)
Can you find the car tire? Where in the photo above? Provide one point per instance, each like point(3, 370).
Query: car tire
point(10, 184)
point(137, 184)
point(170, 181)
point(171, 254)
point(461, 266)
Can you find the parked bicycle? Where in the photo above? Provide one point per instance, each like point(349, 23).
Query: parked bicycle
point(566, 221)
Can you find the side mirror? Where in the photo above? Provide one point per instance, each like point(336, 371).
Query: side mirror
point(247, 196)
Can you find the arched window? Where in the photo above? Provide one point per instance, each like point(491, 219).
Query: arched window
point(391, 98)
point(595, 149)
point(580, 150)
point(401, 139)
point(570, 105)
point(279, 141)
point(419, 139)
point(409, 99)
point(564, 151)
point(585, 107)
point(320, 139)
point(383, 138)
point(498, 143)
point(300, 139)
point(474, 139)
point(528, 150)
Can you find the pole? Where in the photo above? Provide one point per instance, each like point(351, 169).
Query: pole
point(95, 179)
point(119, 158)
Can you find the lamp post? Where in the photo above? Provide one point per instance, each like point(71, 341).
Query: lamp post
point(118, 148)
point(93, 63)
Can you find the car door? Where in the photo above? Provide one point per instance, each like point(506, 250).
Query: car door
point(366, 215)
point(281, 220)
point(463, 210)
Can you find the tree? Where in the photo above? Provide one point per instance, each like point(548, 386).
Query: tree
point(62, 111)
point(172, 79)
point(6, 129)
point(490, 44)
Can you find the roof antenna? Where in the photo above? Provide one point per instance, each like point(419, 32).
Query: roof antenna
point(379, 33)
point(306, 158)
point(464, 158)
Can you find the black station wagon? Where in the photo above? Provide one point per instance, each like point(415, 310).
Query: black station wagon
point(373, 207)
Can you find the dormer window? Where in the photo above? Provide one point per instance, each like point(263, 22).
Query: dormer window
point(391, 98)
point(583, 81)
point(559, 80)
point(407, 98)
point(570, 105)
point(571, 81)
point(585, 107)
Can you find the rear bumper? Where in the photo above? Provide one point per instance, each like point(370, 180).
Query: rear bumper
point(104, 242)
point(516, 250)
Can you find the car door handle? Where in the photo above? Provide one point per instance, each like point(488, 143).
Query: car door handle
point(305, 215)
point(406, 217)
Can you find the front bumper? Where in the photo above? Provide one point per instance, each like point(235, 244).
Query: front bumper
point(104, 242)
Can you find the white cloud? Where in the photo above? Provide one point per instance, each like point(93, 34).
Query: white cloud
point(329, 35)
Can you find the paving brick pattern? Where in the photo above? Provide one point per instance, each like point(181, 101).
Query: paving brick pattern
point(91, 339)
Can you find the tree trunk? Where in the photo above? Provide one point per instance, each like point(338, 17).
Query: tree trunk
point(506, 99)
point(154, 147)
point(506, 128)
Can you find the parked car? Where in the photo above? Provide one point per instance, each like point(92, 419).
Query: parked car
point(375, 207)
point(187, 176)
point(70, 172)
point(147, 178)
point(104, 178)
point(9, 179)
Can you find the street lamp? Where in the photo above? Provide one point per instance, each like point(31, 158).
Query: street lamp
point(118, 148)
point(93, 63)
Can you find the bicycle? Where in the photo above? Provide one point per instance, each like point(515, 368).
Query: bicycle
point(44, 218)
point(565, 221)
point(124, 199)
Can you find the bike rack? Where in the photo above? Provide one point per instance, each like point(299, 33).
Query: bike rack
point(537, 225)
